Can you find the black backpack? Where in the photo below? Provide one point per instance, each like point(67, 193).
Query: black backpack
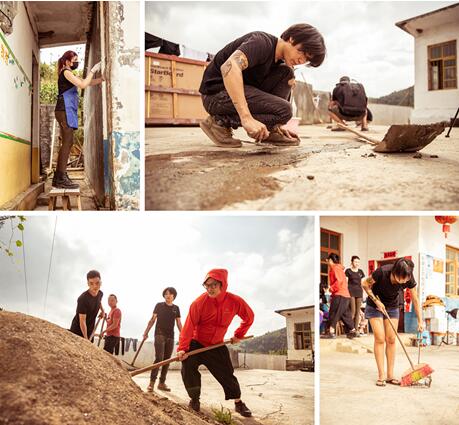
point(355, 99)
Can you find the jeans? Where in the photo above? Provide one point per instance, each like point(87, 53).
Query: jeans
point(67, 141)
point(163, 351)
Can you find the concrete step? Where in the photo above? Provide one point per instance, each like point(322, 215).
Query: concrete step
point(351, 347)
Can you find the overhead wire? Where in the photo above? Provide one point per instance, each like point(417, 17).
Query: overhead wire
point(25, 271)
point(49, 268)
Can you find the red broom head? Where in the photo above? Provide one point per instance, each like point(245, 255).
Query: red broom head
point(420, 372)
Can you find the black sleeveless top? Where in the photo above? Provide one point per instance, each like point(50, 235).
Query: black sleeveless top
point(62, 86)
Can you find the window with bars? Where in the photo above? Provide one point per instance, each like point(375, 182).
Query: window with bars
point(330, 242)
point(452, 272)
point(442, 63)
point(303, 336)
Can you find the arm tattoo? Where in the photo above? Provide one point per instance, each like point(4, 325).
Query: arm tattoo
point(226, 68)
point(241, 59)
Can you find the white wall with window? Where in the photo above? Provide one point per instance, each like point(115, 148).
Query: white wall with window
point(436, 90)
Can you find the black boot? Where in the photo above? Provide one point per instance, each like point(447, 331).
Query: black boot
point(195, 404)
point(61, 181)
point(242, 409)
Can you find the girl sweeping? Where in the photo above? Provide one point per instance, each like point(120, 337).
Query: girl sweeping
point(66, 111)
point(383, 288)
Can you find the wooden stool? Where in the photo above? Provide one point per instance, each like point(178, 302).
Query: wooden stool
point(65, 194)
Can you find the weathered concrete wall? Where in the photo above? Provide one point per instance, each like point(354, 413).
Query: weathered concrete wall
point(16, 50)
point(311, 106)
point(390, 114)
point(302, 316)
point(123, 67)
point(262, 361)
point(46, 134)
point(92, 117)
point(434, 105)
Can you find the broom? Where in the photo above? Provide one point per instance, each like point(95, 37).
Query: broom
point(190, 353)
point(416, 372)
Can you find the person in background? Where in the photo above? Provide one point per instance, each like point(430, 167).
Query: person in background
point(113, 330)
point(354, 276)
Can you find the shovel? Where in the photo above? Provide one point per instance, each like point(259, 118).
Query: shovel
point(402, 137)
point(176, 358)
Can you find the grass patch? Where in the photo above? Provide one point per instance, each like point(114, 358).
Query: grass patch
point(223, 415)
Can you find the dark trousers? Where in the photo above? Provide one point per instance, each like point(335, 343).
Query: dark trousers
point(110, 343)
point(268, 104)
point(218, 362)
point(67, 141)
point(163, 351)
point(356, 302)
point(339, 310)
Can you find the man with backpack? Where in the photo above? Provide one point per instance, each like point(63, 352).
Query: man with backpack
point(349, 103)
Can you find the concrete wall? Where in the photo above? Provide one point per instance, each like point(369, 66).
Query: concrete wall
point(309, 112)
point(298, 317)
point(435, 105)
point(94, 161)
point(390, 114)
point(46, 133)
point(16, 50)
point(123, 130)
point(262, 361)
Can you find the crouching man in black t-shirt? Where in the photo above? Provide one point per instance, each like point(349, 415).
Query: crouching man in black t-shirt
point(166, 315)
point(249, 82)
point(88, 305)
point(383, 288)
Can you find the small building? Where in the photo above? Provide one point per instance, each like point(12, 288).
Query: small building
point(382, 240)
point(110, 111)
point(300, 337)
point(436, 91)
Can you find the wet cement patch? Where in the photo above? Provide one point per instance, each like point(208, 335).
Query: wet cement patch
point(213, 180)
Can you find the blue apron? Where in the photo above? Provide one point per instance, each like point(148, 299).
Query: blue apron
point(71, 107)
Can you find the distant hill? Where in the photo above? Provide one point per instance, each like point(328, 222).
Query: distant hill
point(270, 343)
point(403, 97)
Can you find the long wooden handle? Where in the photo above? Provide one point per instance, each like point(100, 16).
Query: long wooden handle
point(101, 330)
point(397, 335)
point(360, 134)
point(95, 329)
point(176, 358)
point(138, 351)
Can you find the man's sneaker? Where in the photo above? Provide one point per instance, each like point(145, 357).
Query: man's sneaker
point(195, 405)
point(221, 136)
point(242, 409)
point(163, 387)
point(352, 334)
point(276, 137)
point(150, 387)
point(62, 181)
point(328, 336)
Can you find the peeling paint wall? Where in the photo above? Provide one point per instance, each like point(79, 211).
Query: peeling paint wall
point(94, 162)
point(16, 50)
point(123, 66)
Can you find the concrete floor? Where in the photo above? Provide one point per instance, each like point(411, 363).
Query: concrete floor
point(329, 171)
point(348, 394)
point(275, 397)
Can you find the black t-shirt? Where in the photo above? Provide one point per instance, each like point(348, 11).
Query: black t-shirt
point(355, 282)
point(383, 287)
point(62, 86)
point(89, 305)
point(165, 321)
point(260, 50)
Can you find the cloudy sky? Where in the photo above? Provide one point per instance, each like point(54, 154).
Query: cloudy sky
point(270, 262)
point(361, 37)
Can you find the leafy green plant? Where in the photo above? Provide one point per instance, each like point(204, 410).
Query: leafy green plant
point(16, 223)
point(223, 415)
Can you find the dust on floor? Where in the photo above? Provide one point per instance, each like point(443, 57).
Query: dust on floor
point(328, 171)
point(51, 376)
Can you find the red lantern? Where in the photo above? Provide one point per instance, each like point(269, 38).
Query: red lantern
point(446, 220)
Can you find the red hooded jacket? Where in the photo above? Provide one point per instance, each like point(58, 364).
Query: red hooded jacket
point(209, 318)
point(338, 281)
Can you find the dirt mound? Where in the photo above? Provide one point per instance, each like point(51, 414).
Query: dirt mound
point(50, 376)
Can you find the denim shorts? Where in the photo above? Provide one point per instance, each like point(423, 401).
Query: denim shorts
point(374, 313)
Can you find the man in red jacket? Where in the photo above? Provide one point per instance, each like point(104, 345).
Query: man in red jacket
point(208, 320)
point(340, 299)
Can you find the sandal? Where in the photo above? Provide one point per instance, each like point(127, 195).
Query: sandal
point(393, 381)
point(380, 383)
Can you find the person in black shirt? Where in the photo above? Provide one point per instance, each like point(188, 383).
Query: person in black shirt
point(166, 315)
point(249, 81)
point(349, 103)
point(66, 111)
point(88, 305)
point(354, 284)
point(383, 288)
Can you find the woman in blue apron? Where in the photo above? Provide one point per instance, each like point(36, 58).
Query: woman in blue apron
point(66, 111)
